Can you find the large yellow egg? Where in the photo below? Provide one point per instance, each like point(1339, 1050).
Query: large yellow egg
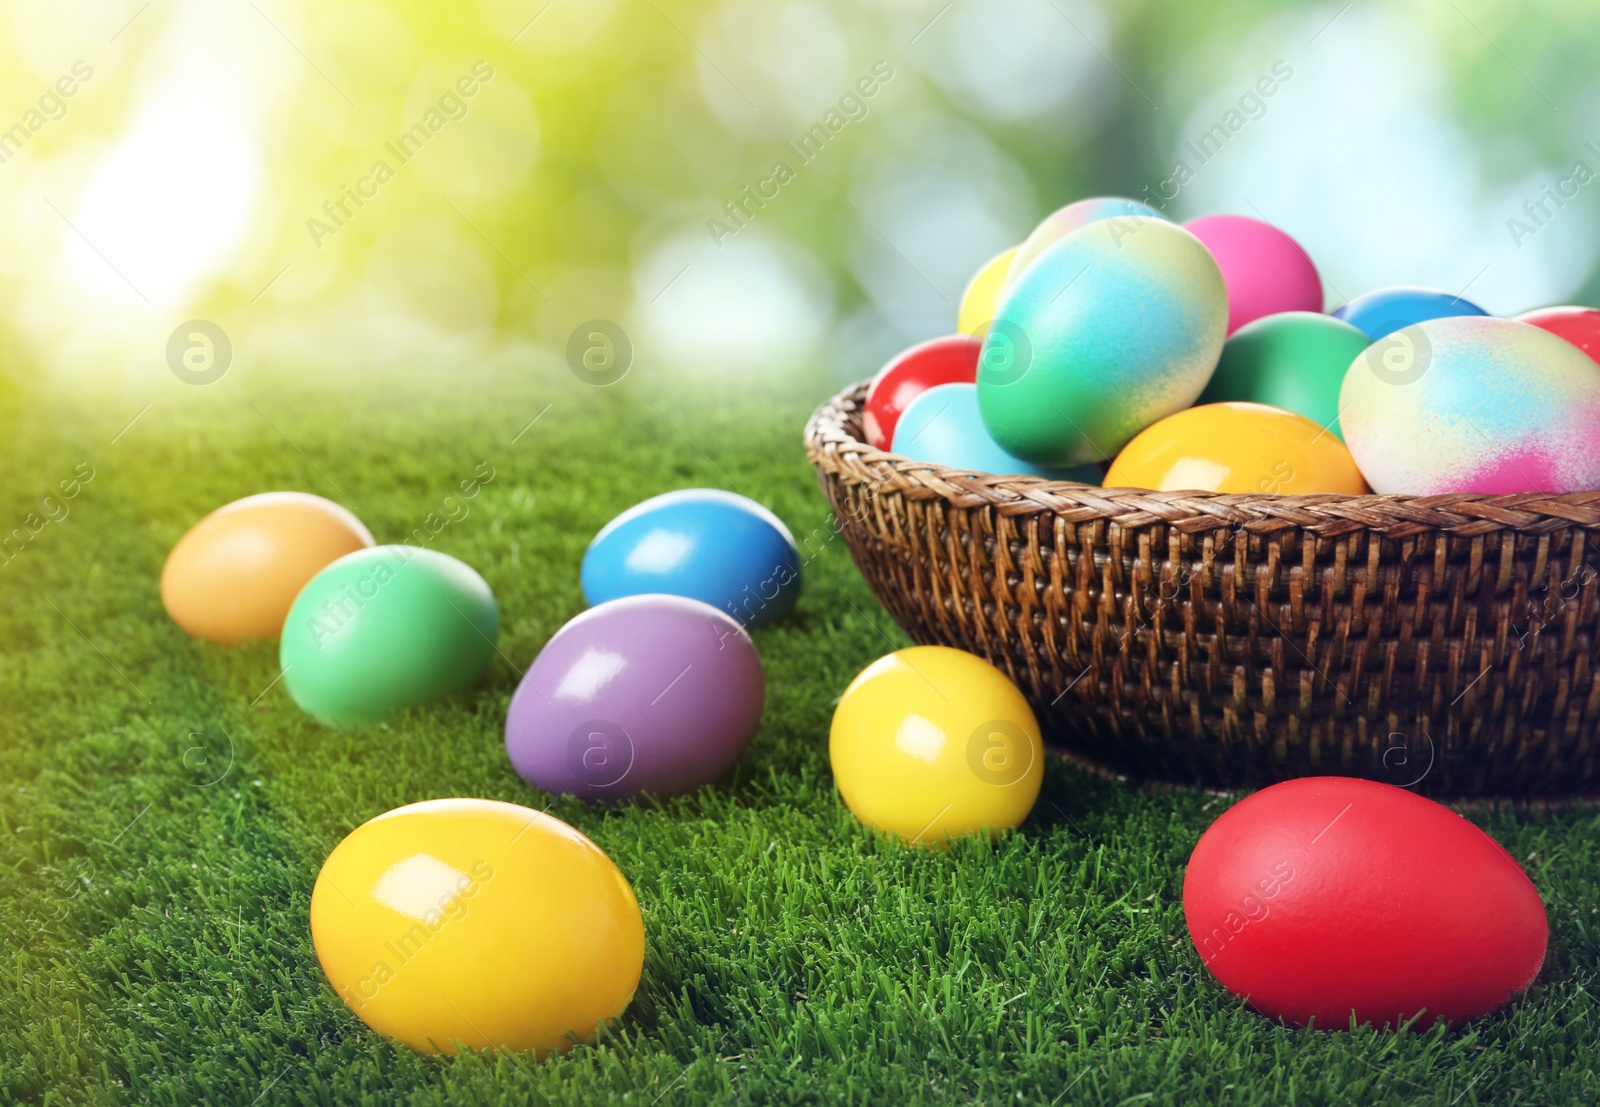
point(1236, 447)
point(470, 922)
point(236, 572)
point(982, 298)
point(930, 743)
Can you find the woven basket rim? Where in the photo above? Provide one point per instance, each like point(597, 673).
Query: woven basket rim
point(833, 445)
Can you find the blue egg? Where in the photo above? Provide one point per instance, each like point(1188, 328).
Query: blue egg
point(1387, 310)
point(703, 543)
point(943, 426)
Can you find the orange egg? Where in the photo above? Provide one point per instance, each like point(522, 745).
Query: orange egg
point(1236, 447)
point(236, 572)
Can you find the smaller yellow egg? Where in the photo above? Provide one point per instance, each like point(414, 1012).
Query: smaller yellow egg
point(1237, 447)
point(930, 743)
point(982, 298)
point(478, 923)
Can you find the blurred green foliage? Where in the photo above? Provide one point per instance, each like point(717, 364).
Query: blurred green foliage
point(189, 175)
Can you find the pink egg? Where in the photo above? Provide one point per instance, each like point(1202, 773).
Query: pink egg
point(1265, 270)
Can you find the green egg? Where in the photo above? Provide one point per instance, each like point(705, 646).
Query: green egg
point(1295, 360)
point(384, 629)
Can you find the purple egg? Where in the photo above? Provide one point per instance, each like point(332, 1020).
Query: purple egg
point(647, 693)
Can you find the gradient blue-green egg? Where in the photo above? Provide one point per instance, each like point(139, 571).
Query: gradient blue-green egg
point(1114, 327)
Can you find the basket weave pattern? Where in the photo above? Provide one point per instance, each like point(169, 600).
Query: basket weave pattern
point(1444, 643)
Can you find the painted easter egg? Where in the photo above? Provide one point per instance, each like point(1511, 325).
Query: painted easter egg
point(1265, 270)
point(982, 297)
point(233, 575)
point(943, 426)
point(1578, 325)
point(385, 629)
point(1473, 404)
point(656, 694)
point(1386, 310)
point(476, 923)
point(931, 743)
point(1294, 360)
point(1115, 326)
point(1062, 222)
point(949, 360)
point(703, 543)
point(1237, 447)
point(1332, 899)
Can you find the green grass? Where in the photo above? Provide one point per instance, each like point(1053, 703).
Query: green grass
point(162, 820)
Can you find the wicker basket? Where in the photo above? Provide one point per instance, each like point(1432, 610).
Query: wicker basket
point(1444, 643)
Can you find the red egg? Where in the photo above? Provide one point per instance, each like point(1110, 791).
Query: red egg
point(949, 360)
point(1328, 897)
point(1578, 325)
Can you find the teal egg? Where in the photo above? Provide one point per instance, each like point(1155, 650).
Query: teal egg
point(943, 426)
point(384, 629)
point(1114, 327)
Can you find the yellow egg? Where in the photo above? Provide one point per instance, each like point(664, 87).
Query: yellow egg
point(1236, 447)
point(470, 922)
point(930, 743)
point(982, 298)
